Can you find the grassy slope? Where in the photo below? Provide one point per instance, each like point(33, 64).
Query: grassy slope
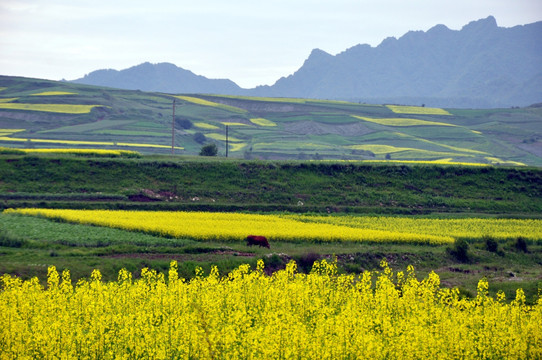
point(178, 183)
point(304, 128)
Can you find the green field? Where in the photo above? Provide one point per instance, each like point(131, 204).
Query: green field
point(291, 128)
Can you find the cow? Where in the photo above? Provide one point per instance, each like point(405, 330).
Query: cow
point(257, 240)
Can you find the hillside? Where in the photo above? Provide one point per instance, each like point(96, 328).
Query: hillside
point(480, 66)
point(163, 183)
point(42, 114)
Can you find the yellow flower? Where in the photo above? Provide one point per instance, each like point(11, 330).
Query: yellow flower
point(247, 314)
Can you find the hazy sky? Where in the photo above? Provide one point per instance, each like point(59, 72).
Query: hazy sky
point(251, 42)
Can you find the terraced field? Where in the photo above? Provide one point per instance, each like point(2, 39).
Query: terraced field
point(68, 115)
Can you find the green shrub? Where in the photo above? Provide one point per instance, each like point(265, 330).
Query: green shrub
point(199, 138)
point(209, 150)
point(491, 244)
point(521, 245)
point(274, 261)
point(460, 251)
point(183, 123)
point(305, 261)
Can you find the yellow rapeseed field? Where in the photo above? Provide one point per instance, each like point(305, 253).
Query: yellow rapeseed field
point(7, 132)
point(6, 100)
point(380, 149)
point(469, 228)
point(266, 99)
point(53, 93)
point(69, 142)
point(291, 227)
point(222, 137)
point(203, 102)
point(249, 315)
point(84, 151)
point(446, 161)
point(237, 147)
point(401, 121)
point(263, 122)
point(11, 131)
point(92, 143)
point(288, 100)
point(226, 123)
point(207, 226)
point(203, 125)
point(289, 145)
point(57, 108)
point(498, 161)
point(446, 146)
point(400, 109)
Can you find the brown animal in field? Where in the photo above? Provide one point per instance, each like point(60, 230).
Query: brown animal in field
point(257, 240)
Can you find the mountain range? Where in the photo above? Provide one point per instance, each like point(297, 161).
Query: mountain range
point(480, 66)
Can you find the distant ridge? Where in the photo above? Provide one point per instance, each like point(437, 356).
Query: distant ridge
point(480, 66)
point(162, 77)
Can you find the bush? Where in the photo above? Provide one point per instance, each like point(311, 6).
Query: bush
point(209, 150)
point(521, 245)
point(183, 123)
point(491, 244)
point(460, 250)
point(306, 261)
point(199, 138)
point(274, 261)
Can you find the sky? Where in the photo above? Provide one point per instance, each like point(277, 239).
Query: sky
point(251, 42)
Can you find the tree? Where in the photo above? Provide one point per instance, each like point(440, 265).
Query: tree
point(183, 123)
point(199, 138)
point(209, 150)
point(460, 250)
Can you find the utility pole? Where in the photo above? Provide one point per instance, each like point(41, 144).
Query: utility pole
point(173, 130)
point(226, 140)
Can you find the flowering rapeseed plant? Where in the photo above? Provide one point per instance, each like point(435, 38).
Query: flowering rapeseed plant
point(249, 315)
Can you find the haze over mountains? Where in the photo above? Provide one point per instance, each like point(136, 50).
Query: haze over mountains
point(480, 66)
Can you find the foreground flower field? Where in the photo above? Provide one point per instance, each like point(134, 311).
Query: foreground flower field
point(249, 315)
point(214, 226)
